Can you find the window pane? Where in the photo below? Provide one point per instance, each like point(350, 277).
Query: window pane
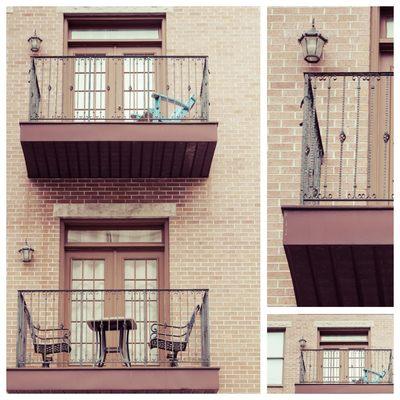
point(129, 269)
point(140, 269)
point(275, 344)
point(87, 269)
point(114, 34)
point(152, 269)
point(274, 372)
point(344, 338)
point(389, 28)
point(115, 236)
point(76, 269)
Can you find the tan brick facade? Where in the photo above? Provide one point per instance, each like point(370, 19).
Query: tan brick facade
point(306, 326)
point(348, 49)
point(214, 236)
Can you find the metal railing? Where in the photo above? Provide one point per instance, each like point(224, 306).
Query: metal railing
point(131, 88)
point(347, 145)
point(135, 327)
point(346, 366)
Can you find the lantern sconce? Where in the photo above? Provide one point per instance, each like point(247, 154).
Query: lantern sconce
point(302, 343)
point(312, 43)
point(26, 252)
point(35, 42)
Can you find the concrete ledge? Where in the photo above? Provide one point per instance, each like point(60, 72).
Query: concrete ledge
point(344, 388)
point(305, 225)
point(278, 324)
point(115, 210)
point(343, 324)
point(112, 380)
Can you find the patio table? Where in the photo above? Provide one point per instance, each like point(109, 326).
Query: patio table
point(101, 326)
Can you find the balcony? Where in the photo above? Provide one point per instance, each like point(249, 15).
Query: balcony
point(136, 340)
point(118, 117)
point(345, 371)
point(339, 240)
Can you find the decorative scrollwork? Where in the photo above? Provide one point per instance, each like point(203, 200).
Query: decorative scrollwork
point(386, 137)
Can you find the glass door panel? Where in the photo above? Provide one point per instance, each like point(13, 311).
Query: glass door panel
point(87, 302)
point(356, 363)
point(331, 366)
point(139, 84)
point(89, 91)
point(86, 305)
point(141, 304)
point(89, 88)
point(138, 76)
point(141, 274)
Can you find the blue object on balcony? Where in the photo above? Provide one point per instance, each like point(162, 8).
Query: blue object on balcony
point(371, 376)
point(179, 113)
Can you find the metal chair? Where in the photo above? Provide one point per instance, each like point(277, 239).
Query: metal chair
point(371, 376)
point(178, 114)
point(163, 337)
point(58, 340)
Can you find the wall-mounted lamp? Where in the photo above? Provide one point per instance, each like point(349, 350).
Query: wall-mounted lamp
point(35, 42)
point(302, 343)
point(26, 252)
point(312, 43)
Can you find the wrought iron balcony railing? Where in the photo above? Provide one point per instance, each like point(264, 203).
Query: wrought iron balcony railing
point(120, 328)
point(347, 148)
point(129, 88)
point(346, 366)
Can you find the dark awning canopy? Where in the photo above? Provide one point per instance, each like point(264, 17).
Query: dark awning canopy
point(340, 256)
point(118, 149)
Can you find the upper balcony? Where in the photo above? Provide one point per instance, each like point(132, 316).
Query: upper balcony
point(347, 148)
point(118, 117)
point(339, 240)
point(353, 370)
point(113, 340)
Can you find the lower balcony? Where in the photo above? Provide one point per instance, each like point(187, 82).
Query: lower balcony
point(113, 341)
point(345, 371)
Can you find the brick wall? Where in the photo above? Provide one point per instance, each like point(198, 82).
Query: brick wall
point(214, 237)
point(306, 326)
point(347, 30)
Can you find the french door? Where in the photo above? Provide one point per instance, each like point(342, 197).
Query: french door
point(339, 365)
point(95, 280)
point(106, 83)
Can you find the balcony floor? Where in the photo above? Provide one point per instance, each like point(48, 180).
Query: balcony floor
point(343, 388)
point(113, 380)
point(112, 149)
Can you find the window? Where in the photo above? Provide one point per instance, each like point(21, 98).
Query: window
point(344, 354)
point(114, 34)
point(389, 28)
point(115, 236)
point(275, 358)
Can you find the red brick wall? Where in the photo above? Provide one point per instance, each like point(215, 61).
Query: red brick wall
point(214, 237)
